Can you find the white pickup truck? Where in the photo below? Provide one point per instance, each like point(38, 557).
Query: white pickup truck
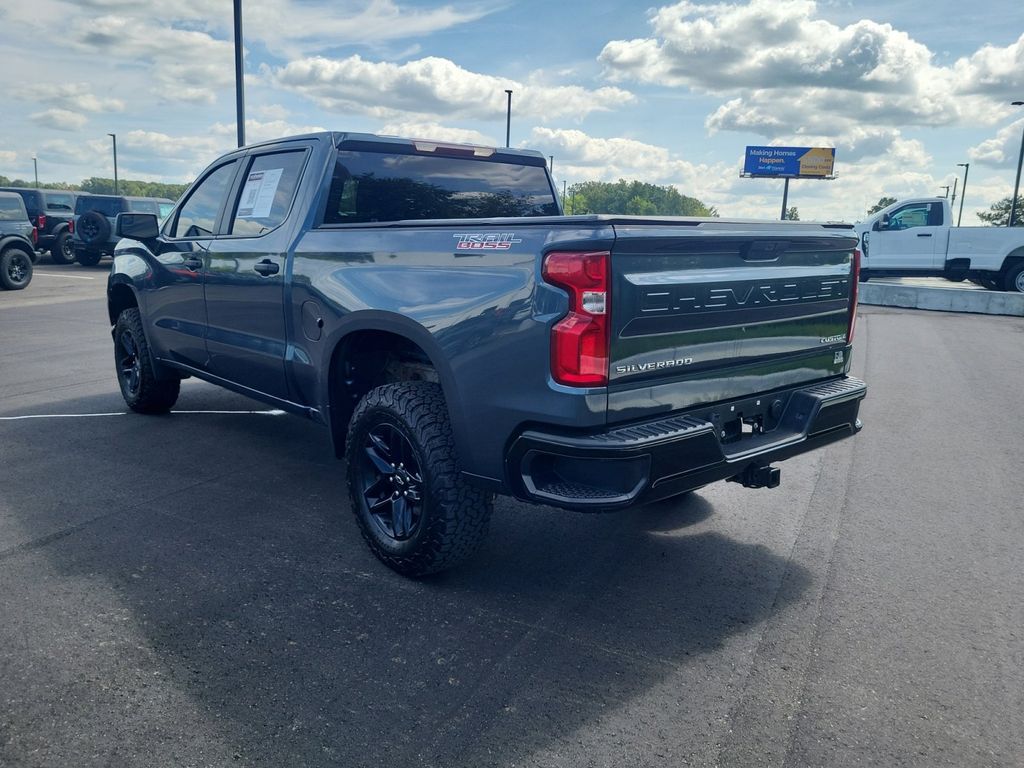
point(914, 238)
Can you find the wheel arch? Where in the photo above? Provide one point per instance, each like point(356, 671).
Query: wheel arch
point(120, 296)
point(382, 348)
point(21, 243)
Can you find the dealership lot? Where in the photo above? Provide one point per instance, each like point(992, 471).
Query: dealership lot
point(191, 590)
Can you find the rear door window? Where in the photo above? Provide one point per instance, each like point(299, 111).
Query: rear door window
point(12, 209)
point(108, 206)
point(376, 186)
point(60, 203)
point(267, 192)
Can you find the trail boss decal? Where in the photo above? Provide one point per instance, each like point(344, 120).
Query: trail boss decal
point(489, 241)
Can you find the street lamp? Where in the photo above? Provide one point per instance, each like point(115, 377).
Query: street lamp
point(508, 118)
point(1016, 184)
point(114, 137)
point(239, 82)
point(945, 187)
point(551, 167)
point(963, 190)
point(35, 167)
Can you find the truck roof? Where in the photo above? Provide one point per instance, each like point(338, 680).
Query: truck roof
point(375, 142)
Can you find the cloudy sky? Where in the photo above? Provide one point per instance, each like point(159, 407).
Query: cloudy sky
point(669, 94)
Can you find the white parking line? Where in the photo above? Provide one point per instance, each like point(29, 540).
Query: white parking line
point(273, 412)
point(61, 274)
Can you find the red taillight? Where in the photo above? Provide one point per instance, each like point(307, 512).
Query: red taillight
point(71, 227)
point(579, 341)
point(855, 277)
point(35, 235)
point(41, 221)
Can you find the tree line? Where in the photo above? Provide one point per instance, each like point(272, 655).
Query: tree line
point(632, 198)
point(97, 185)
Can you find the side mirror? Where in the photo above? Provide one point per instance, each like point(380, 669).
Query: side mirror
point(138, 226)
point(883, 223)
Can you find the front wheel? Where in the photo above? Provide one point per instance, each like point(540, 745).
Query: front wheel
point(15, 268)
point(414, 509)
point(140, 387)
point(1014, 280)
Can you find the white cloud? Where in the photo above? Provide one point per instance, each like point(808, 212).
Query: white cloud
point(785, 72)
point(428, 130)
point(74, 96)
point(434, 87)
point(1002, 150)
point(60, 119)
point(8, 157)
point(188, 65)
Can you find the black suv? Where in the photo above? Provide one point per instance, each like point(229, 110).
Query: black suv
point(51, 212)
point(94, 222)
point(17, 239)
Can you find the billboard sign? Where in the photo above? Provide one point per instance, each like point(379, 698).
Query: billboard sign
point(791, 162)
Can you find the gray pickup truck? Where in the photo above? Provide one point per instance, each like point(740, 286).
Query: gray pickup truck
point(459, 337)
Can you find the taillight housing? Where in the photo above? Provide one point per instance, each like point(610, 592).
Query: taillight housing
point(35, 235)
point(854, 287)
point(41, 221)
point(580, 340)
point(71, 227)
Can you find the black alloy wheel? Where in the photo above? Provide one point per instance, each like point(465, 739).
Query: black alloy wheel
point(15, 269)
point(129, 366)
point(391, 482)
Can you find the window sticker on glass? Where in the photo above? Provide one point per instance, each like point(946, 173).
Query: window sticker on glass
point(258, 195)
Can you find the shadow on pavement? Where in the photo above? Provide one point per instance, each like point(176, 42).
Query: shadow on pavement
point(223, 547)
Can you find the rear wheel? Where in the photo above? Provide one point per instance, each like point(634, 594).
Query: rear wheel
point(63, 249)
point(15, 268)
point(140, 387)
point(88, 258)
point(1014, 280)
point(414, 509)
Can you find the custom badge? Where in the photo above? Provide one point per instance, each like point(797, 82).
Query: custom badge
point(487, 241)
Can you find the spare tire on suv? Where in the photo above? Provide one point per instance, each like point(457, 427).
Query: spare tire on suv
point(93, 228)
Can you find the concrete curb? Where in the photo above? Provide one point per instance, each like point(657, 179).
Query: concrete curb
point(943, 299)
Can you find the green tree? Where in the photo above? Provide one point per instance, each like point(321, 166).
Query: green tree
point(793, 214)
point(883, 202)
point(998, 215)
point(633, 198)
point(101, 186)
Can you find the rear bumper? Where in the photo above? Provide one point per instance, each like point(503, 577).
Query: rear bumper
point(650, 460)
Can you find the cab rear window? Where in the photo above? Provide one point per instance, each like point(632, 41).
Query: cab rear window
point(374, 186)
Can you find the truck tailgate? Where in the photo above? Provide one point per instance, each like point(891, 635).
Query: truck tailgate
point(719, 310)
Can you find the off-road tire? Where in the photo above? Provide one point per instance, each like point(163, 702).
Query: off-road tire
point(1014, 278)
point(454, 516)
point(88, 258)
point(63, 249)
point(93, 228)
point(140, 387)
point(15, 268)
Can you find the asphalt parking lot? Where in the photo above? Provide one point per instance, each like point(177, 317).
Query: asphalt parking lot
point(191, 590)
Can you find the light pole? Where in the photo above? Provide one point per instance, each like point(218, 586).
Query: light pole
point(114, 137)
point(952, 202)
point(945, 187)
point(508, 118)
point(551, 167)
point(963, 190)
point(35, 167)
point(239, 82)
point(1016, 184)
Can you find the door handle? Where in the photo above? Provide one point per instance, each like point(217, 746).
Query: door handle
point(193, 263)
point(924, 234)
point(267, 268)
